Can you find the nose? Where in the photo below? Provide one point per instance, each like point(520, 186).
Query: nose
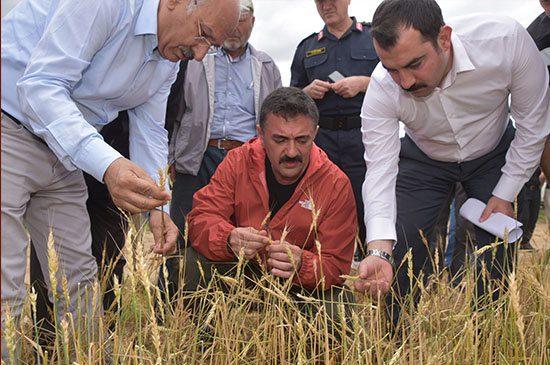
point(199, 51)
point(406, 79)
point(292, 151)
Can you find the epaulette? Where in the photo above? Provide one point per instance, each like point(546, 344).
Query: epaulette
point(365, 25)
point(307, 38)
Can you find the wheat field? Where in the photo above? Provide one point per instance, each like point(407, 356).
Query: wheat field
point(261, 325)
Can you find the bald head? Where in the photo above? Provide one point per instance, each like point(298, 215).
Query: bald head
point(188, 28)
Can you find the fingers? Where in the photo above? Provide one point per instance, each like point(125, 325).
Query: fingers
point(317, 89)
point(280, 256)
point(281, 265)
point(155, 224)
point(281, 273)
point(250, 236)
point(131, 188)
point(137, 203)
point(486, 212)
point(147, 187)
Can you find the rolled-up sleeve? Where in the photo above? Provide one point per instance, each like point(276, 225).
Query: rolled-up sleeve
point(65, 50)
point(380, 129)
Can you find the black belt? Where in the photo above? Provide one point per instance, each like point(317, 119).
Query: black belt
point(340, 123)
point(18, 122)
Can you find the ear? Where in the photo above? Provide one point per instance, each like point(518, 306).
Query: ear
point(253, 20)
point(316, 130)
point(259, 131)
point(444, 38)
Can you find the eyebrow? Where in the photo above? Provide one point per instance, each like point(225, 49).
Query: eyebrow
point(415, 60)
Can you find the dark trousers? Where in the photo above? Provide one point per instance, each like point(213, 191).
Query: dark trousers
point(529, 200)
point(346, 150)
point(422, 189)
point(108, 228)
point(461, 237)
point(185, 186)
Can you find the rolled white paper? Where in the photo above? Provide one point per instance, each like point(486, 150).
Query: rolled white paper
point(497, 224)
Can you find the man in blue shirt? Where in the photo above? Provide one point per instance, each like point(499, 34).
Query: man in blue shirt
point(344, 45)
point(219, 109)
point(68, 68)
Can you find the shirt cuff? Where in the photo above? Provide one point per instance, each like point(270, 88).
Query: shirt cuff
point(381, 229)
point(96, 157)
point(507, 188)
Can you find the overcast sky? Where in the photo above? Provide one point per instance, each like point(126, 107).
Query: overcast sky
point(282, 24)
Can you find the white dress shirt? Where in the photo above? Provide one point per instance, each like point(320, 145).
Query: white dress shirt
point(464, 118)
point(69, 67)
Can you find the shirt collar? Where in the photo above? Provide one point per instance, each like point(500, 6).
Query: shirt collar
point(461, 61)
point(355, 27)
point(222, 53)
point(147, 19)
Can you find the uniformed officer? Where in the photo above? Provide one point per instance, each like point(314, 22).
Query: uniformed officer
point(334, 68)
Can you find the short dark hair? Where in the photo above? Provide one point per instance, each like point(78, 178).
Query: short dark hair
point(392, 16)
point(288, 102)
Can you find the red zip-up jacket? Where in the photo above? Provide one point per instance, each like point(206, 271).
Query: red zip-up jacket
point(237, 196)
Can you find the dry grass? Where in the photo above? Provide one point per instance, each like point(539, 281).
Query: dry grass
point(262, 326)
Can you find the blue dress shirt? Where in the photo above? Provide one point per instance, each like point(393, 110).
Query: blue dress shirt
point(69, 67)
point(234, 116)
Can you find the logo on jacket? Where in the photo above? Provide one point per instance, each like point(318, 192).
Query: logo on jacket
point(306, 204)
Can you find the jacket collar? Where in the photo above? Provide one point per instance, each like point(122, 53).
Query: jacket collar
point(355, 27)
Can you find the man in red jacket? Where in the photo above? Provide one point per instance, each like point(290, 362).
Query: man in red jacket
point(278, 182)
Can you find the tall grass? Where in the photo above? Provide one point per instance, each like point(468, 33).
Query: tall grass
point(261, 325)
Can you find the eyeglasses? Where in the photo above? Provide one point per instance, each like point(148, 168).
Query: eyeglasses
point(201, 38)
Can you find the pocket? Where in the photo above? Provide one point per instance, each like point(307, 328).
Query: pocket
point(364, 54)
point(314, 61)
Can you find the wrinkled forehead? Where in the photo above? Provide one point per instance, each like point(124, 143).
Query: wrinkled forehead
point(292, 126)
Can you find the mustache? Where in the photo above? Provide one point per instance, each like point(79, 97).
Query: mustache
point(414, 87)
point(285, 158)
point(187, 52)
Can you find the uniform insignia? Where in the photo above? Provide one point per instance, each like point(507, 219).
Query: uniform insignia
point(306, 204)
point(320, 35)
point(315, 52)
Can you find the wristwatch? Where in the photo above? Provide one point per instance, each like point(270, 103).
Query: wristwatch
point(382, 254)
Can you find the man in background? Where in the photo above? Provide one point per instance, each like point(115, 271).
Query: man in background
point(218, 110)
point(333, 67)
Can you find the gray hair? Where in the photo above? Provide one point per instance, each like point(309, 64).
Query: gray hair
point(288, 102)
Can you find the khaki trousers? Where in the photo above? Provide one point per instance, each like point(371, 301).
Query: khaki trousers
point(38, 196)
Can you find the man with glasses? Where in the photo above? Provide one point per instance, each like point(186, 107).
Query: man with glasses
point(219, 109)
point(58, 91)
point(333, 67)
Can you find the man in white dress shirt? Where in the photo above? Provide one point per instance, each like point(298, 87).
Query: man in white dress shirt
point(68, 69)
point(449, 83)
